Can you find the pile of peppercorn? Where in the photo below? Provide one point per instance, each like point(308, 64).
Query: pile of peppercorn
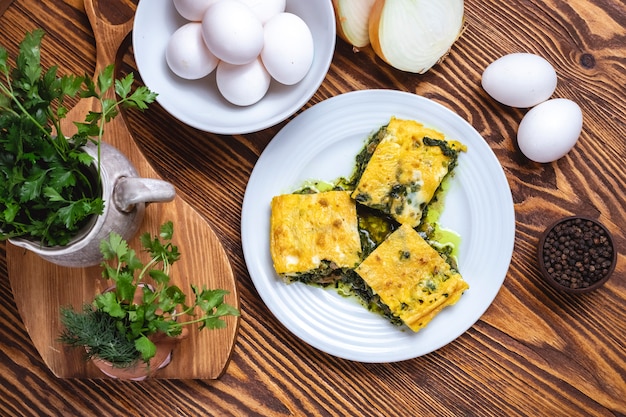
point(577, 253)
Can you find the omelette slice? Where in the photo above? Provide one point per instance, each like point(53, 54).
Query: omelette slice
point(314, 235)
point(411, 278)
point(405, 170)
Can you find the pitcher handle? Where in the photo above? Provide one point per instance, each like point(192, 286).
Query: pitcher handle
point(130, 191)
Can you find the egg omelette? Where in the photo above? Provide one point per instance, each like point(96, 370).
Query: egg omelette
point(406, 169)
point(314, 231)
point(411, 278)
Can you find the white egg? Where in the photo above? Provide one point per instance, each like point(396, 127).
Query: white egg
point(187, 55)
point(242, 85)
point(288, 51)
point(232, 32)
point(520, 80)
point(550, 130)
point(192, 9)
point(266, 9)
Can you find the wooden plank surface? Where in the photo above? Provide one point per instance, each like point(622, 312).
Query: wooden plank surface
point(534, 352)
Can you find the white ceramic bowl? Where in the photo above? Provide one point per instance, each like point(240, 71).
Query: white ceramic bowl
point(198, 103)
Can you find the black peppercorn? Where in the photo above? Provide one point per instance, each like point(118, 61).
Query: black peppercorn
point(577, 254)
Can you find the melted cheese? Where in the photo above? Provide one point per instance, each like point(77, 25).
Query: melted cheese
point(307, 229)
point(404, 173)
point(411, 278)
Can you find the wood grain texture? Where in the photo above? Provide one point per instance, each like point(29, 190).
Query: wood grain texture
point(534, 351)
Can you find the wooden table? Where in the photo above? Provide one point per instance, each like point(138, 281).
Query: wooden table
point(534, 352)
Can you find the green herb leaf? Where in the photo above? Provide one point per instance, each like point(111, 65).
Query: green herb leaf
point(108, 303)
point(105, 78)
point(137, 320)
point(89, 89)
point(4, 56)
point(226, 310)
point(125, 286)
point(114, 247)
point(140, 98)
point(31, 189)
point(209, 299)
point(159, 277)
point(213, 323)
point(166, 231)
point(175, 295)
point(53, 195)
point(123, 86)
point(10, 211)
point(172, 329)
point(145, 347)
point(28, 61)
point(109, 108)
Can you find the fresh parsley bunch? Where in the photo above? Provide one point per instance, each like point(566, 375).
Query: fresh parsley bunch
point(117, 329)
point(47, 190)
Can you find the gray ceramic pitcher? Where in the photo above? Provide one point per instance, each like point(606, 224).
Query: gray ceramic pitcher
point(125, 195)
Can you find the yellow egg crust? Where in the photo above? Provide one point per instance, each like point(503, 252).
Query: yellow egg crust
point(306, 229)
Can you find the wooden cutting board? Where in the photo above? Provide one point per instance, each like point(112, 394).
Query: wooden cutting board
point(41, 288)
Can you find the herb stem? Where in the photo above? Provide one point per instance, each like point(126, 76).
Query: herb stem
point(27, 114)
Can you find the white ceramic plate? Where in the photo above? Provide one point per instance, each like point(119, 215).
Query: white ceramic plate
point(198, 103)
point(321, 143)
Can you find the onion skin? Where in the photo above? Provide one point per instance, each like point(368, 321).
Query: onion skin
point(352, 17)
point(373, 27)
point(416, 42)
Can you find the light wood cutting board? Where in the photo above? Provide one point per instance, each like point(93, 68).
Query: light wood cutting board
point(41, 288)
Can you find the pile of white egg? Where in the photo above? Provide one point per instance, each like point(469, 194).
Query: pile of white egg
point(246, 42)
point(551, 128)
